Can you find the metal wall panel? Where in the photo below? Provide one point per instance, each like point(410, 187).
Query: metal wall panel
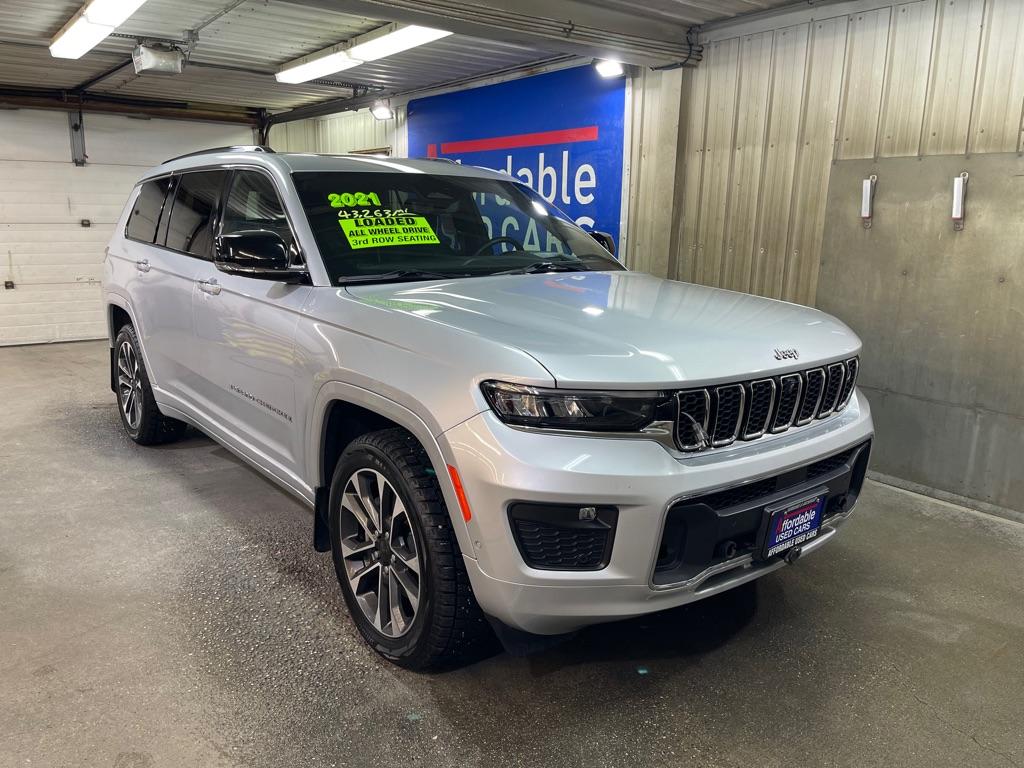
point(789, 63)
point(906, 79)
point(343, 132)
point(996, 125)
point(905, 73)
point(814, 158)
point(954, 65)
point(655, 107)
point(747, 161)
point(693, 172)
point(718, 150)
point(866, 48)
point(940, 313)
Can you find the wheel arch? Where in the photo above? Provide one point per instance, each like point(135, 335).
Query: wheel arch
point(343, 412)
point(119, 312)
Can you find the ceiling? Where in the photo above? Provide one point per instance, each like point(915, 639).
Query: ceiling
point(239, 44)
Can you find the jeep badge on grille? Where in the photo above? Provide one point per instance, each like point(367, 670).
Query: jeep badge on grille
point(787, 354)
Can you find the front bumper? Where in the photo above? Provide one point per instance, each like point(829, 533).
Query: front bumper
point(500, 466)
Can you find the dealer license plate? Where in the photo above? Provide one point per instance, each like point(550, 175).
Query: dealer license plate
point(792, 524)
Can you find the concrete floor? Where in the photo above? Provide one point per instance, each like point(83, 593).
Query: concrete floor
point(164, 607)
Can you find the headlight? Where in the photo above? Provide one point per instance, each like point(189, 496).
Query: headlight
point(580, 409)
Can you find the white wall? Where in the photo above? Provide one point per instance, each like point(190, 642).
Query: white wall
point(343, 132)
point(55, 262)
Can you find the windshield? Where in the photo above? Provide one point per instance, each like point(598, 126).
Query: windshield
point(395, 226)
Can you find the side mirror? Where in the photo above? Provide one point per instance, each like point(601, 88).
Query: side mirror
point(259, 253)
point(606, 241)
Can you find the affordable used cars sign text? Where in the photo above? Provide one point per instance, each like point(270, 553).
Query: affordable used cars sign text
point(561, 133)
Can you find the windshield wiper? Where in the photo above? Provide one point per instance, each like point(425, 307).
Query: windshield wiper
point(397, 274)
point(539, 267)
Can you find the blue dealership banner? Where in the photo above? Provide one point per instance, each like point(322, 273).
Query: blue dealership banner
point(562, 133)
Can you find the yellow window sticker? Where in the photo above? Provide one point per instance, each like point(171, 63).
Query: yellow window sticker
point(387, 231)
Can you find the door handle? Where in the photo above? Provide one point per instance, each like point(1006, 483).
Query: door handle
point(142, 265)
point(209, 286)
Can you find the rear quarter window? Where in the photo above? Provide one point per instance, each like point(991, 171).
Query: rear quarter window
point(146, 212)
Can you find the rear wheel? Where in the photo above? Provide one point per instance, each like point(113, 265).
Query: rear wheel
point(140, 415)
point(396, 555)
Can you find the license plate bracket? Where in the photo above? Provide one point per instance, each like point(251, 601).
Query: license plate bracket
point(791, 523)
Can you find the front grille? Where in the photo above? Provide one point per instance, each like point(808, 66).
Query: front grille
point(717, 416)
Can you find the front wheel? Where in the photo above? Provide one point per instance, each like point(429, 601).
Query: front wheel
point(396, 555)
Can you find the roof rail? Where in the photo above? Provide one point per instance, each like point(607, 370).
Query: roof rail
point(236, 148)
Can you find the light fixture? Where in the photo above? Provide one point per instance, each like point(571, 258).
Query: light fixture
point(959, 200)
point(113, 13)
point(303, 70)
point(396, 40)
point(90, 26)
point(867, 200)
point(385, 41)
point(609, 68)
point(382, 110)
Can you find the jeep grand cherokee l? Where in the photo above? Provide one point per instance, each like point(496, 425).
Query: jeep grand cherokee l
point(493, 421)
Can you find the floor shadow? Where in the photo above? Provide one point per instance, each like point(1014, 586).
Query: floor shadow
point(690, 630)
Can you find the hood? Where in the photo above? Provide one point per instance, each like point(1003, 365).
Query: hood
point(625, 328)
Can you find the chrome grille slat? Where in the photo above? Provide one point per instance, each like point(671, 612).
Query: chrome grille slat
point(814, 388)
point(852, 366)
point(693, 408)
point(718, 415)
point(791, 387)
point(833, 389)
point(729, 400)
point(760, 404)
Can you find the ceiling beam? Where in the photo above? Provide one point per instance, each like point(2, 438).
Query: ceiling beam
point(67, 101)
point(334, 106)
point(574, 27)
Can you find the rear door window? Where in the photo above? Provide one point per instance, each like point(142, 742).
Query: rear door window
point(145, 215)
point(196, 201)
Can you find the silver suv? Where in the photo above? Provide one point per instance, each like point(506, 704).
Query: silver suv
point(495, 423)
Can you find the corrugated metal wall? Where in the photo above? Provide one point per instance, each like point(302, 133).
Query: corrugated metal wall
point(773, 105)
point(344, 132)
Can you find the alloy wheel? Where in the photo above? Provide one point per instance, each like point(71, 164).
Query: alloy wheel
point(380, 552)
point(129, 385)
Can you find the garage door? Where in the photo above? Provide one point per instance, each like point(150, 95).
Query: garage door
point(56, 218)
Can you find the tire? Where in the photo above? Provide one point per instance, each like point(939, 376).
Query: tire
point(136, 405)
point(445, 625)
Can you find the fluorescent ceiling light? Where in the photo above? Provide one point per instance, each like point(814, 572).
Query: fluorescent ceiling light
point(382, 110)
point(90, 26)
point(608, 67)
point(302, 70)
point(78, 37)
point(401, 39)
point(386, 41)
point(113, 13)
